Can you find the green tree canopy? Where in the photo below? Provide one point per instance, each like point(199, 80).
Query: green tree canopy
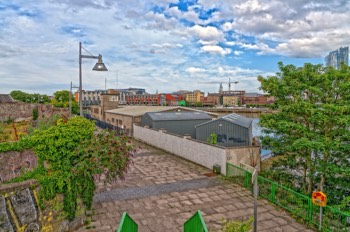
point(27, 97)
point(61, 99)
point(311, 128)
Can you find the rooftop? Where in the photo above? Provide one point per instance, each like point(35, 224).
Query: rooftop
point(141, 110)
point(235, 119)
point(6, 98)
point(164, 116)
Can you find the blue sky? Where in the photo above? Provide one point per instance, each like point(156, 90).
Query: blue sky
point(163, 45)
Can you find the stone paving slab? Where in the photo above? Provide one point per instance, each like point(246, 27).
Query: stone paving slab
point(165, 205)
point(153, 190)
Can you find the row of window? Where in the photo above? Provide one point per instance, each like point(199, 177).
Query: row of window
point(119, 122)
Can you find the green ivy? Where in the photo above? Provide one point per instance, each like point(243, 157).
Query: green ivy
point(74, 155)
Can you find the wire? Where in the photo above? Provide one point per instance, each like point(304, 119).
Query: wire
point(87, 51)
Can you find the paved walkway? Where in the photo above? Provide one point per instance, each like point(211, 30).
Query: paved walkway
point(161, 191)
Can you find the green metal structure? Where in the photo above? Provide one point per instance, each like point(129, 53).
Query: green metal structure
point(127, 224)
point(195, 223)
point(296, 203)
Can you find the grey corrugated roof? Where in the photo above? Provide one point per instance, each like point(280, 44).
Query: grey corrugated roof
point(233, 118)
point(5, 98)
point(169, 116)
point(238, 119)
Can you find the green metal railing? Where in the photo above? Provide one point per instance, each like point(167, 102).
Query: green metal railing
point(127, 224)
point(195, 223)
point(298, 204)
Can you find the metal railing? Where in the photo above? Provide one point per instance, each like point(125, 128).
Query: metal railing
point(105, 125)
point(195, 223)
point(296, 203)
point(127, 224)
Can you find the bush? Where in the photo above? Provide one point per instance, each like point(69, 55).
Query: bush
point(75, 157)
point(237, 226)
point(35, 114)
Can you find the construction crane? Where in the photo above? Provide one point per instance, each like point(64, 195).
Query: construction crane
point(220, 82)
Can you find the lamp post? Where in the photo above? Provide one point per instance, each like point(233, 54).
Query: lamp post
point(99, 66)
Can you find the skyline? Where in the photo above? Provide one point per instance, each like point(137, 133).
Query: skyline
point(163, 45)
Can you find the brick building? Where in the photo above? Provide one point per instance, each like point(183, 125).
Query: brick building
point(256, 99)
point(194, 97)
point(212, 99)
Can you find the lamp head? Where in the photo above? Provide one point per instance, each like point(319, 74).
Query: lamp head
point(100, 66)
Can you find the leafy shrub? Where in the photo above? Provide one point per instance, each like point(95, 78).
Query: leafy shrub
point(213, 138)
point(74, 158)
point(237, 226)
point(35, 114)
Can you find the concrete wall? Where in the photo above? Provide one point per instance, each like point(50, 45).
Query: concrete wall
point(249, 155)
point(196, 151)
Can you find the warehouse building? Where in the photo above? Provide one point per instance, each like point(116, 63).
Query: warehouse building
point(231, 130)
point(180, 123)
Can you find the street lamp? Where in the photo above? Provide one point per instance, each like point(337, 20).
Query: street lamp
point(99, 66)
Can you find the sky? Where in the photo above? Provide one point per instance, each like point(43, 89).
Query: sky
point(163, 45)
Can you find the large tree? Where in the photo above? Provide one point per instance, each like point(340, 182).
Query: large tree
point(61, 99)
point(28, 97)
point(311, 129)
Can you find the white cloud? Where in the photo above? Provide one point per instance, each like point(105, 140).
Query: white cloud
point(208, 33)
point(237, 53)
point(195, 70)
point(216, 50)
point(202, 42)
point(228, 26)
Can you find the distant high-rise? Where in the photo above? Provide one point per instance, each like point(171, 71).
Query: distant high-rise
point(335, 58)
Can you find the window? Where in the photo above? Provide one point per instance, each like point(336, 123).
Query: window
point(112, 119)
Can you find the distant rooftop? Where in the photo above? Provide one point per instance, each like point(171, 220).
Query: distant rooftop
point(165, 116)
point(6, 98)
point(141, 110)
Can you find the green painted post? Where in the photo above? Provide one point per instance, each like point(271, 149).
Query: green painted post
point(246, 180)
point(310, 210)
point(273, 192)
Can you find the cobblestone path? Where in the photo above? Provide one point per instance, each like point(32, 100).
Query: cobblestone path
point(162, 191)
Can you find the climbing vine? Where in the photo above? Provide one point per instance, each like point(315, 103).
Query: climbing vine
point(72, 155)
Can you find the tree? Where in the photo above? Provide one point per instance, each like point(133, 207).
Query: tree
point(310, 129)
point(61, 99)
point(27, 97)
point(198, 104)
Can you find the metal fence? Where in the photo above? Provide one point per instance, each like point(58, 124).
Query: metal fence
point(105, 125)
point(298, 204)
point(127, 224)
point(195, 223)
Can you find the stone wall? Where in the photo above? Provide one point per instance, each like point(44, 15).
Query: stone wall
point(19, 209)
point(199, 152)
point(20, 110)
point(15, 163)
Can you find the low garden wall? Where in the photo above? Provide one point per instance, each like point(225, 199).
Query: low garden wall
point(198, 152)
